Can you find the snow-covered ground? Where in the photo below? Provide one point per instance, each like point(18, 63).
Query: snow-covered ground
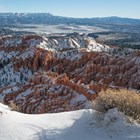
point(61, 28)
point(77, 125)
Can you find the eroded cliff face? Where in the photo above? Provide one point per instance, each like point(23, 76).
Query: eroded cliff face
point(62, 73)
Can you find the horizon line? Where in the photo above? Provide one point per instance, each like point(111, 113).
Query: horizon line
point(111, 16)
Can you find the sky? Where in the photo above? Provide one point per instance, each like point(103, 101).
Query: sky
point(74, 8)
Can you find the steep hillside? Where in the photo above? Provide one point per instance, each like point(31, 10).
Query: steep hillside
point(57, 73)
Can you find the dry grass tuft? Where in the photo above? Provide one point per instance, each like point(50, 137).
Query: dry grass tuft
point(13, 106)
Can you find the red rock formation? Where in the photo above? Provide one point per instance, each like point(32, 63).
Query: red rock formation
point(36, 60)
point(57, 79)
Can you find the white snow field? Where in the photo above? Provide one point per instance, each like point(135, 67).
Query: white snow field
point(76, 125)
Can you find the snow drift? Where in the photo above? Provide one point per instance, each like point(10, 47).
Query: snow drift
point(76, 125)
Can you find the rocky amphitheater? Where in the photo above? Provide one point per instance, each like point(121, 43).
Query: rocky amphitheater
point(62, 72)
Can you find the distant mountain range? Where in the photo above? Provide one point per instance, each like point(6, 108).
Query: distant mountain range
point(47, 18)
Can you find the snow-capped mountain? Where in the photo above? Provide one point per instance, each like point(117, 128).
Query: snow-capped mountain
point(47, 18)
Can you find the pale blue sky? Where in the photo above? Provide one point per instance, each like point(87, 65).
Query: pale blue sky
point(75, 8)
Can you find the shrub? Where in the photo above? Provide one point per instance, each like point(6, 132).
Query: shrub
point(127, 101)
point(13, 106)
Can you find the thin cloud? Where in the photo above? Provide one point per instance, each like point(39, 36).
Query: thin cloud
point(2, 8)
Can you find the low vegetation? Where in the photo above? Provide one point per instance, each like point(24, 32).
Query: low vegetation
point(127, 101)
point(13, 106)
